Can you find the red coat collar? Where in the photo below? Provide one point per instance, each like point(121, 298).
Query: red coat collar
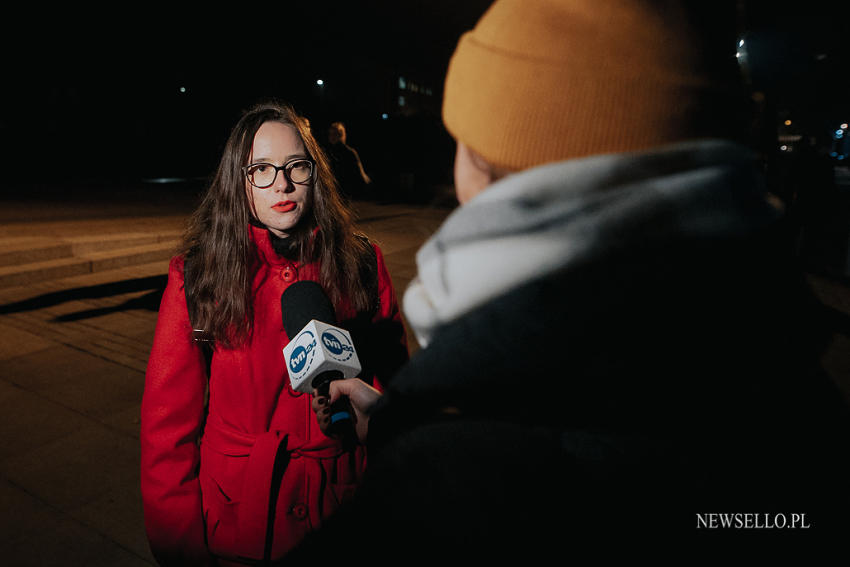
point(260, 237)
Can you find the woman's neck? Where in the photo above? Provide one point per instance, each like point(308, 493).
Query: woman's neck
point(284, 246)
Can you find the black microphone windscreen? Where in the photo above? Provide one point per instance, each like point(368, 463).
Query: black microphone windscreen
point(303, 301)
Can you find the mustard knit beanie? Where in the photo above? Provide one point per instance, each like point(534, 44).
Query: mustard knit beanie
point(545, 80)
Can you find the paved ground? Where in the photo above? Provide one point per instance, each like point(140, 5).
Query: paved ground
point(75, 332)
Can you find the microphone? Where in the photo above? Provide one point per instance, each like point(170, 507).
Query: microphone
point(318, 352)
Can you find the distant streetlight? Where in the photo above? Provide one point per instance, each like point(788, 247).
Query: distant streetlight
point(320, 82)
point(741, 53)
point(385, 116)
point(182, 89)
point(787, 122)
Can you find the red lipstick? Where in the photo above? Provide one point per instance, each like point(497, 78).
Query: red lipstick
point(284, 206)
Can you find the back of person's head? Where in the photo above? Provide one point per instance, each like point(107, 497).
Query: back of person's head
point(336, 132)
point(547, 80)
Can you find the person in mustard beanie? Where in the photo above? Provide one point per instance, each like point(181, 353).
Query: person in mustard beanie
point(615, 342)
point(548, 80)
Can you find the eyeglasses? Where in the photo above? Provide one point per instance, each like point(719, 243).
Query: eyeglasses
point(262, 175)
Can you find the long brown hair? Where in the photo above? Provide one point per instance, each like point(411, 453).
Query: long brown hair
point(223, 256)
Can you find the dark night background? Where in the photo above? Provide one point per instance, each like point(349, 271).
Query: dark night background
point(92, 98)
point(96, 98)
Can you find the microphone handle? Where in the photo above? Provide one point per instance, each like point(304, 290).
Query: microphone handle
point(342, 414)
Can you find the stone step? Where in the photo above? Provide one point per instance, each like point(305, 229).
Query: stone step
point(32, 249)
point(27, 249)
point(85, 263)
point(88, 244)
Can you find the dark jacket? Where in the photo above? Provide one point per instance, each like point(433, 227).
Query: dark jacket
point(618, 345)
point(348, 170)
point(626, 395)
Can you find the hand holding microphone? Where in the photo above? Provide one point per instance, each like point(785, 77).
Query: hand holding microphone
point(362, 397)
point(318, 352)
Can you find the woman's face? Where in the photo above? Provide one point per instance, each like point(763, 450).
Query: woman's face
point(283, 204)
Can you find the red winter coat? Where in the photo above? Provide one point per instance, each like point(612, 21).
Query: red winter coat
point(215, 499)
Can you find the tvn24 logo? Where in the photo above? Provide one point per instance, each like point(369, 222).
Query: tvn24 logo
point(302, 353)
point(337, 345)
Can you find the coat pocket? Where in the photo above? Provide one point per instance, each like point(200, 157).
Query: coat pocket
point(221, 485)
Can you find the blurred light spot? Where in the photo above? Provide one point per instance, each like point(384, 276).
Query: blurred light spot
point(320, 82)
point(787, 122)
point(182, 89)
point(165, 180)
point(385, 116)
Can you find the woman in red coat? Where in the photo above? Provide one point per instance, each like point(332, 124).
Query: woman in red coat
point(245, 475)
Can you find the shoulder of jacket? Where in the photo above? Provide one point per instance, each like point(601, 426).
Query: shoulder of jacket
point(177, 265)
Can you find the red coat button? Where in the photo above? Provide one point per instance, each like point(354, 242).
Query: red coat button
point(289, 274)
point(299, 511)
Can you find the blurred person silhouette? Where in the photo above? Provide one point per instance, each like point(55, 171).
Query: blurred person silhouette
point(615, 340)
point(346, 164)
point(243, 479)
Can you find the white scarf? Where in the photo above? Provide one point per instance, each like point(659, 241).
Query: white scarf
point(540, 220)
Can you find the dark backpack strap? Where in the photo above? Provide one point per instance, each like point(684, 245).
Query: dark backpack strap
point(198, 335)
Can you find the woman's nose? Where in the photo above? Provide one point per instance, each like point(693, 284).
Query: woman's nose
point(282, 184)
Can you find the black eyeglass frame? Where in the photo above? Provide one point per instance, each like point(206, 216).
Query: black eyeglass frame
point(278, 168)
